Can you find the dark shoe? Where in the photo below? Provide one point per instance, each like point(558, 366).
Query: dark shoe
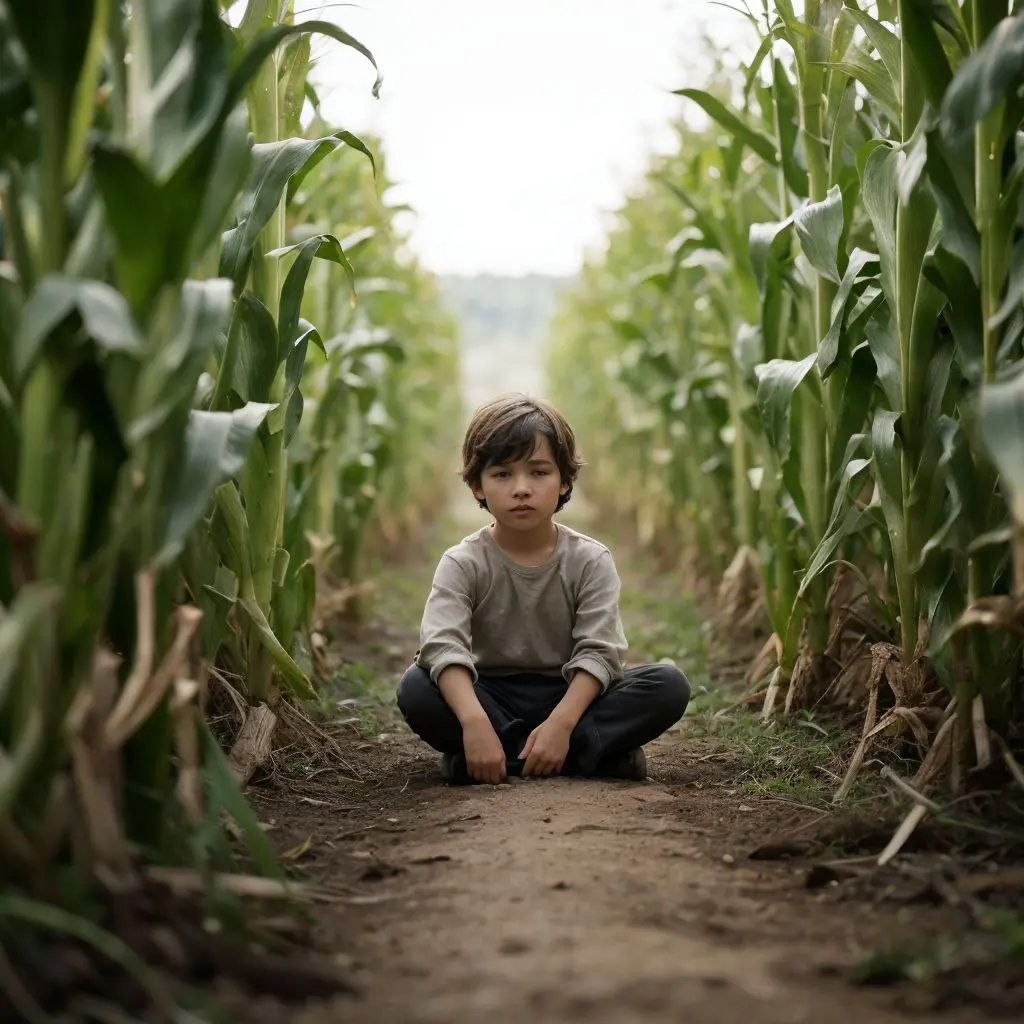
point(631, 765)
point(454, 770)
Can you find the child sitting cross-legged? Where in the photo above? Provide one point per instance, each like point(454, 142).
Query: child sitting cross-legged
point(520, 668)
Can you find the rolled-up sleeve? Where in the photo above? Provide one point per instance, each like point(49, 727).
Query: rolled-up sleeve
point(446, 626)
point(599, 643)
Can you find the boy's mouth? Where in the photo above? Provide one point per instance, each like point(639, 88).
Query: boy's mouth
point(522, 508)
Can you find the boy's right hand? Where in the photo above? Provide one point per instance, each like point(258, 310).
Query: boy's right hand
point(485, 756)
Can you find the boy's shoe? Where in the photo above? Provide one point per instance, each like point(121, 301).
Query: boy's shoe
point(631, 765)
point(454, 770)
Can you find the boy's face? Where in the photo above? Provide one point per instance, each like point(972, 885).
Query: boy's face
point(523, 495)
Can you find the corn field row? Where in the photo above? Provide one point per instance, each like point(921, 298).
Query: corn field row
point(220, 376)
point(800, 362)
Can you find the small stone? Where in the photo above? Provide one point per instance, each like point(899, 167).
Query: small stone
point(744, 807)
point(728, 858)
point(513, 946)
point(560, 886)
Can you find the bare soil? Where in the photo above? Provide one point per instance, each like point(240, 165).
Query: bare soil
point(574, 900)
point(686, 897)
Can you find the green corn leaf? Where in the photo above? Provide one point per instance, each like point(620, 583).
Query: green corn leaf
point(35, 603)
point(1001, 419)
point(704, 219)
point(54, 35)
point(845, 120)
point(224, 795)
point(11, 302)
point(1015, 289)
point(886, 454)
point(229, 530)
point(846, 519)
point(768, 245)
point(956, 474)
point(985, 78)
point(760, 143)
point(940, 361)
point(293, 676)
point(10, 446)
point(84, 102)
point(763, 50)
point(885, 350)
point(252, 376)
point(354, 142)
point(884, 40)
point(788, 115)
point(963, 310)
point(274, 165)
point(944, 608)
point(828, 350)
point(819, 226)
point(874, 77)
point(293, 416)
point(931, 65)
point(858, 376)
point(179, 82)
point(17, 135)
point(353, 346)
point(267, 42)
point(148, 248)
point(215, 449)
point(323, 246)
point(167, 380)
point(105, 317)
point(292, 75)
point(879, 196)
point(776, 382)
point(289, 412)
point(230, 167)
point(959, 232)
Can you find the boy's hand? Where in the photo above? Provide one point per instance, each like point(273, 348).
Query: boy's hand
point(546, 748)
point(485, 756)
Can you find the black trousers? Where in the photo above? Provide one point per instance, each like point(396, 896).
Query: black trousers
point(649, 700)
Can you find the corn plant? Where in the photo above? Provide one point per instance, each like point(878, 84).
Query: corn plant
point(152, 360)
point(382, 400)
point(882, 142)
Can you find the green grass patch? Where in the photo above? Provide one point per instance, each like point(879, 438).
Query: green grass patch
point(800, 759)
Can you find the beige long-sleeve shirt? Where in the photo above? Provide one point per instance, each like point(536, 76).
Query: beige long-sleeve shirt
point(497, 617)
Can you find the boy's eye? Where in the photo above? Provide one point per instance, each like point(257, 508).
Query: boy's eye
point(540, 472)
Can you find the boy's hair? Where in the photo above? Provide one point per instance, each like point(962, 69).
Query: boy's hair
point(505, 430)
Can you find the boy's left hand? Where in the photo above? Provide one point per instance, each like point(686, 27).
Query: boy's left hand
point(546, 749)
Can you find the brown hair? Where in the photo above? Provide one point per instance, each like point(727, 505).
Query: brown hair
point(505, 430)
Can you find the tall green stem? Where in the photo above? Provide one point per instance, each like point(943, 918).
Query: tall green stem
point(816, 417)
point(265, 489)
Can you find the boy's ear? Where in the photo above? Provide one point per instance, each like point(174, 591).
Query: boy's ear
point(478, 491)
point(564, 489)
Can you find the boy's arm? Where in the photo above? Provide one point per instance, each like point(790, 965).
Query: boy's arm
point(456, 686)
point(547, 746)
point(446, 626)
point(446, 652)
point(596, 663)
point(583, 691)
point(599, 641)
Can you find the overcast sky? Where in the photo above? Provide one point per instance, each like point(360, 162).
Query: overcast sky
point(512, 126)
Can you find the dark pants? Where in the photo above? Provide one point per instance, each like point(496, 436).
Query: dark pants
point(649, 700)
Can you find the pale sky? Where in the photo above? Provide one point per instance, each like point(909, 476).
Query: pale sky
point(511, 127)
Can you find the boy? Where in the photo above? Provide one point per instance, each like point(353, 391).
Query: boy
point(520, 667)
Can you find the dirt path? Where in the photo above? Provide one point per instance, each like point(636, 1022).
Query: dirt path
point(570, 900)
